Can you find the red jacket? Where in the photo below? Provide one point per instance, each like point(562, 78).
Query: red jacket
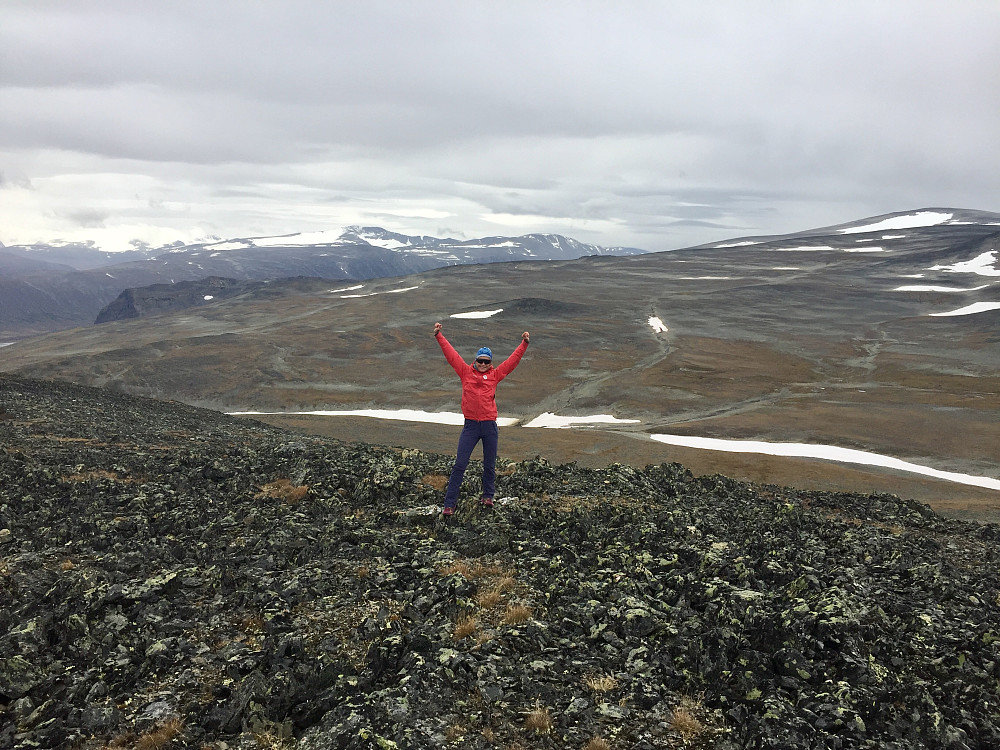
point(479, 389)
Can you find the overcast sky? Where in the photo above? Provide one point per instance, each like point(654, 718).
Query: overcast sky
point(650, 124)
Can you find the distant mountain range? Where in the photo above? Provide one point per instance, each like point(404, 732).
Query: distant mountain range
point(45, 288)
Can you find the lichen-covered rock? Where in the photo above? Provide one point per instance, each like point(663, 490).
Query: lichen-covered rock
point(175, 574)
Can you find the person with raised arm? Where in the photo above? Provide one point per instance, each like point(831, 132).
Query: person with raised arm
point(479, 407)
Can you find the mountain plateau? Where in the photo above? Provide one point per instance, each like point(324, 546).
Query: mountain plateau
point(861, 336)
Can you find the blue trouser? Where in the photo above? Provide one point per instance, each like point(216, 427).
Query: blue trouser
point(472, 433)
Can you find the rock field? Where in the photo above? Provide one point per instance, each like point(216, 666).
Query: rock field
point(173, 577)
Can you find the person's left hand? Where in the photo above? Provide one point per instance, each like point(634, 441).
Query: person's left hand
point(525, 337)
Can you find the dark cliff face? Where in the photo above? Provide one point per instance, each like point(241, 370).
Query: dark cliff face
point(122, 308)
point(173, 575)
point(164, 298)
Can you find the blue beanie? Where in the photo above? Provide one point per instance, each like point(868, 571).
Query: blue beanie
point(484, 352)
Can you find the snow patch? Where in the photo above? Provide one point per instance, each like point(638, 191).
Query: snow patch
point(552, 421)
point(322, 237)
point(208, 297)
point(931, 288)
point(975, 307)
point(476, 314)
point(825, 452)
point(982, 265)
point(372, 294)
point(910, 221)
point(657, 325)
point(746, 243)
point(345, 289)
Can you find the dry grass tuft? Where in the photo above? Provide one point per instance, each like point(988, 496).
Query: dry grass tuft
point(161, 736)
point(465, 627)
point(684, 720)
point(597, 743)
point(461, 567)
point(540, 720)
point(87, 476)
point(601, 683)
point(489, 599)
point(437, 481)
point(67, 564)
point(473, 570)
point(517, 614)
point(284, 490)
point(504, 583)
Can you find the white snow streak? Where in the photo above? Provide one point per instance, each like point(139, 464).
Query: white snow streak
point(981, 265)
point(737, 244)
point(372, 294)
point(911, 221)
point(976, 307)
point(826, 452)
point(657, 325)
point(552, 421)
point(477, 314)
point(931, 288)
point(345, 289)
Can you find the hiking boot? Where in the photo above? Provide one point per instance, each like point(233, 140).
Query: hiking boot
point(447, 511)
point(486, 502)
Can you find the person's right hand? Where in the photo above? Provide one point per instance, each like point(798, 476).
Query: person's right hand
point(437, 328)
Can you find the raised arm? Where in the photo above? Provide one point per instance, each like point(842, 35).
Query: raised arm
point(506, 367)
point(453, 357)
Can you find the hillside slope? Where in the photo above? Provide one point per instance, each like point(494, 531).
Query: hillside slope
point(175, 577)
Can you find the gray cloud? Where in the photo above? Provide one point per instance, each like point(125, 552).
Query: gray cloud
point(665, 123)
point(87, 218)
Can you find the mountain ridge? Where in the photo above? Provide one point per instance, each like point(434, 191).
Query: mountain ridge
point(35, 303)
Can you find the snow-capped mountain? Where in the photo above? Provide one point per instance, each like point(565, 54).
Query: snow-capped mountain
point(445, 251)
point(37, 296)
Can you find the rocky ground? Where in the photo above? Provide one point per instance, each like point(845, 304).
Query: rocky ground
point(172, 577)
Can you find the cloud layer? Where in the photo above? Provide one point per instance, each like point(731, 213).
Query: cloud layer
point(652, 124)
